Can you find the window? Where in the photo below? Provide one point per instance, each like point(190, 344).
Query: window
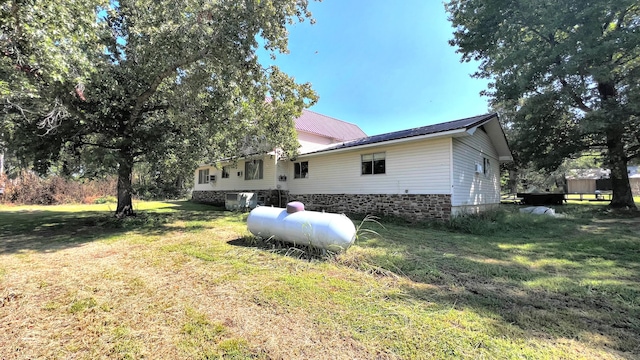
point(486, 166)
point(253, 170)
point(203, 176)
point(225, 172)
point(301, 170)
point(373, 164)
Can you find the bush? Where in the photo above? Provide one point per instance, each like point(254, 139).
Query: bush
point(483, 223)
point(105, 200)
point(159, 191)
point(30, 189)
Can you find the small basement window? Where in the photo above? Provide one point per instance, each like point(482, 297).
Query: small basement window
point(373, 163)
point(301, 170)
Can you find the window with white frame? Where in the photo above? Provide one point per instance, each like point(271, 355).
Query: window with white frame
point(374, 163)
point(301, 170)
point(253, 169)
point(203, 176)
point(226, 172)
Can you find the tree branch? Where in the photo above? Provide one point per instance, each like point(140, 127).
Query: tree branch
point(551, 40)
point(19, 108)
point(621, 17)
point(576, 98)
point(565, 85)
point(82, 143)
point(14, 13)
point(142, 98)
point(53, 118)
point(606, 24)
point(154, 108)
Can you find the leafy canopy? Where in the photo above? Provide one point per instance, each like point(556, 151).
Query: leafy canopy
point(149, 77)
point(571, 68)
point(567, 73)
point(146, 80)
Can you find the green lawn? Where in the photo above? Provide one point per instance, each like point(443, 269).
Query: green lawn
point(187, 281)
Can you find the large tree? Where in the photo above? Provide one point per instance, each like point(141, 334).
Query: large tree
point(36, 39)
point(569, 69)
point(43, 40)
point(166, 78)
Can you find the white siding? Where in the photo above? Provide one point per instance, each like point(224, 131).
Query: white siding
point(282, 169)
point(415, 167)
point(237, 182)
point(212, 171)
point(471, 188)
point(310, 142)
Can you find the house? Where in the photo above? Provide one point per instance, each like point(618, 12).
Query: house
point(587, 181)
point(433, 171)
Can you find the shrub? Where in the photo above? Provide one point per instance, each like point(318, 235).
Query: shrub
point(105, 200)
point(30, 189)
point(159, 191)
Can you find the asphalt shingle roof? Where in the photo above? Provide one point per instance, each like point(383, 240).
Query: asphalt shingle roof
point(465, 124)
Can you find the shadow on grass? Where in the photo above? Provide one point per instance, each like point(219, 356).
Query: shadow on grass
point(569, 278)
point(45, 230)
point(283, 248)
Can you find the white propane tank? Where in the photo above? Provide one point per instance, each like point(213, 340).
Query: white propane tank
point(328, 231)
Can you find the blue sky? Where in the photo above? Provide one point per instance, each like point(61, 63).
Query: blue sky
point(384, 65)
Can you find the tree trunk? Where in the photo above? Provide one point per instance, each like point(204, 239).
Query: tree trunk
point(125, 188)
point(622, 195)
point(512, 184)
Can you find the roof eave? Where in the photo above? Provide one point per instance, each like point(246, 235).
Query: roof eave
point(444, 134)
point(498, 137)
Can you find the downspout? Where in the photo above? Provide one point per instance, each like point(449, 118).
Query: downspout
point(451, 168)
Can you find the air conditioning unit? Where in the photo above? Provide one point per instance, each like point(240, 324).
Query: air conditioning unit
point(212, 178)
point(240, 201)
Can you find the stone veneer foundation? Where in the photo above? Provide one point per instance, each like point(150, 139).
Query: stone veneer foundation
point(410, 206)
point(214, 197)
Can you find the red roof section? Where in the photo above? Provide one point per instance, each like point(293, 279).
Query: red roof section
point(322, 125)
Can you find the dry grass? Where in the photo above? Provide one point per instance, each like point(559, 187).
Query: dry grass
point(127, 294)
point(185, 282)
